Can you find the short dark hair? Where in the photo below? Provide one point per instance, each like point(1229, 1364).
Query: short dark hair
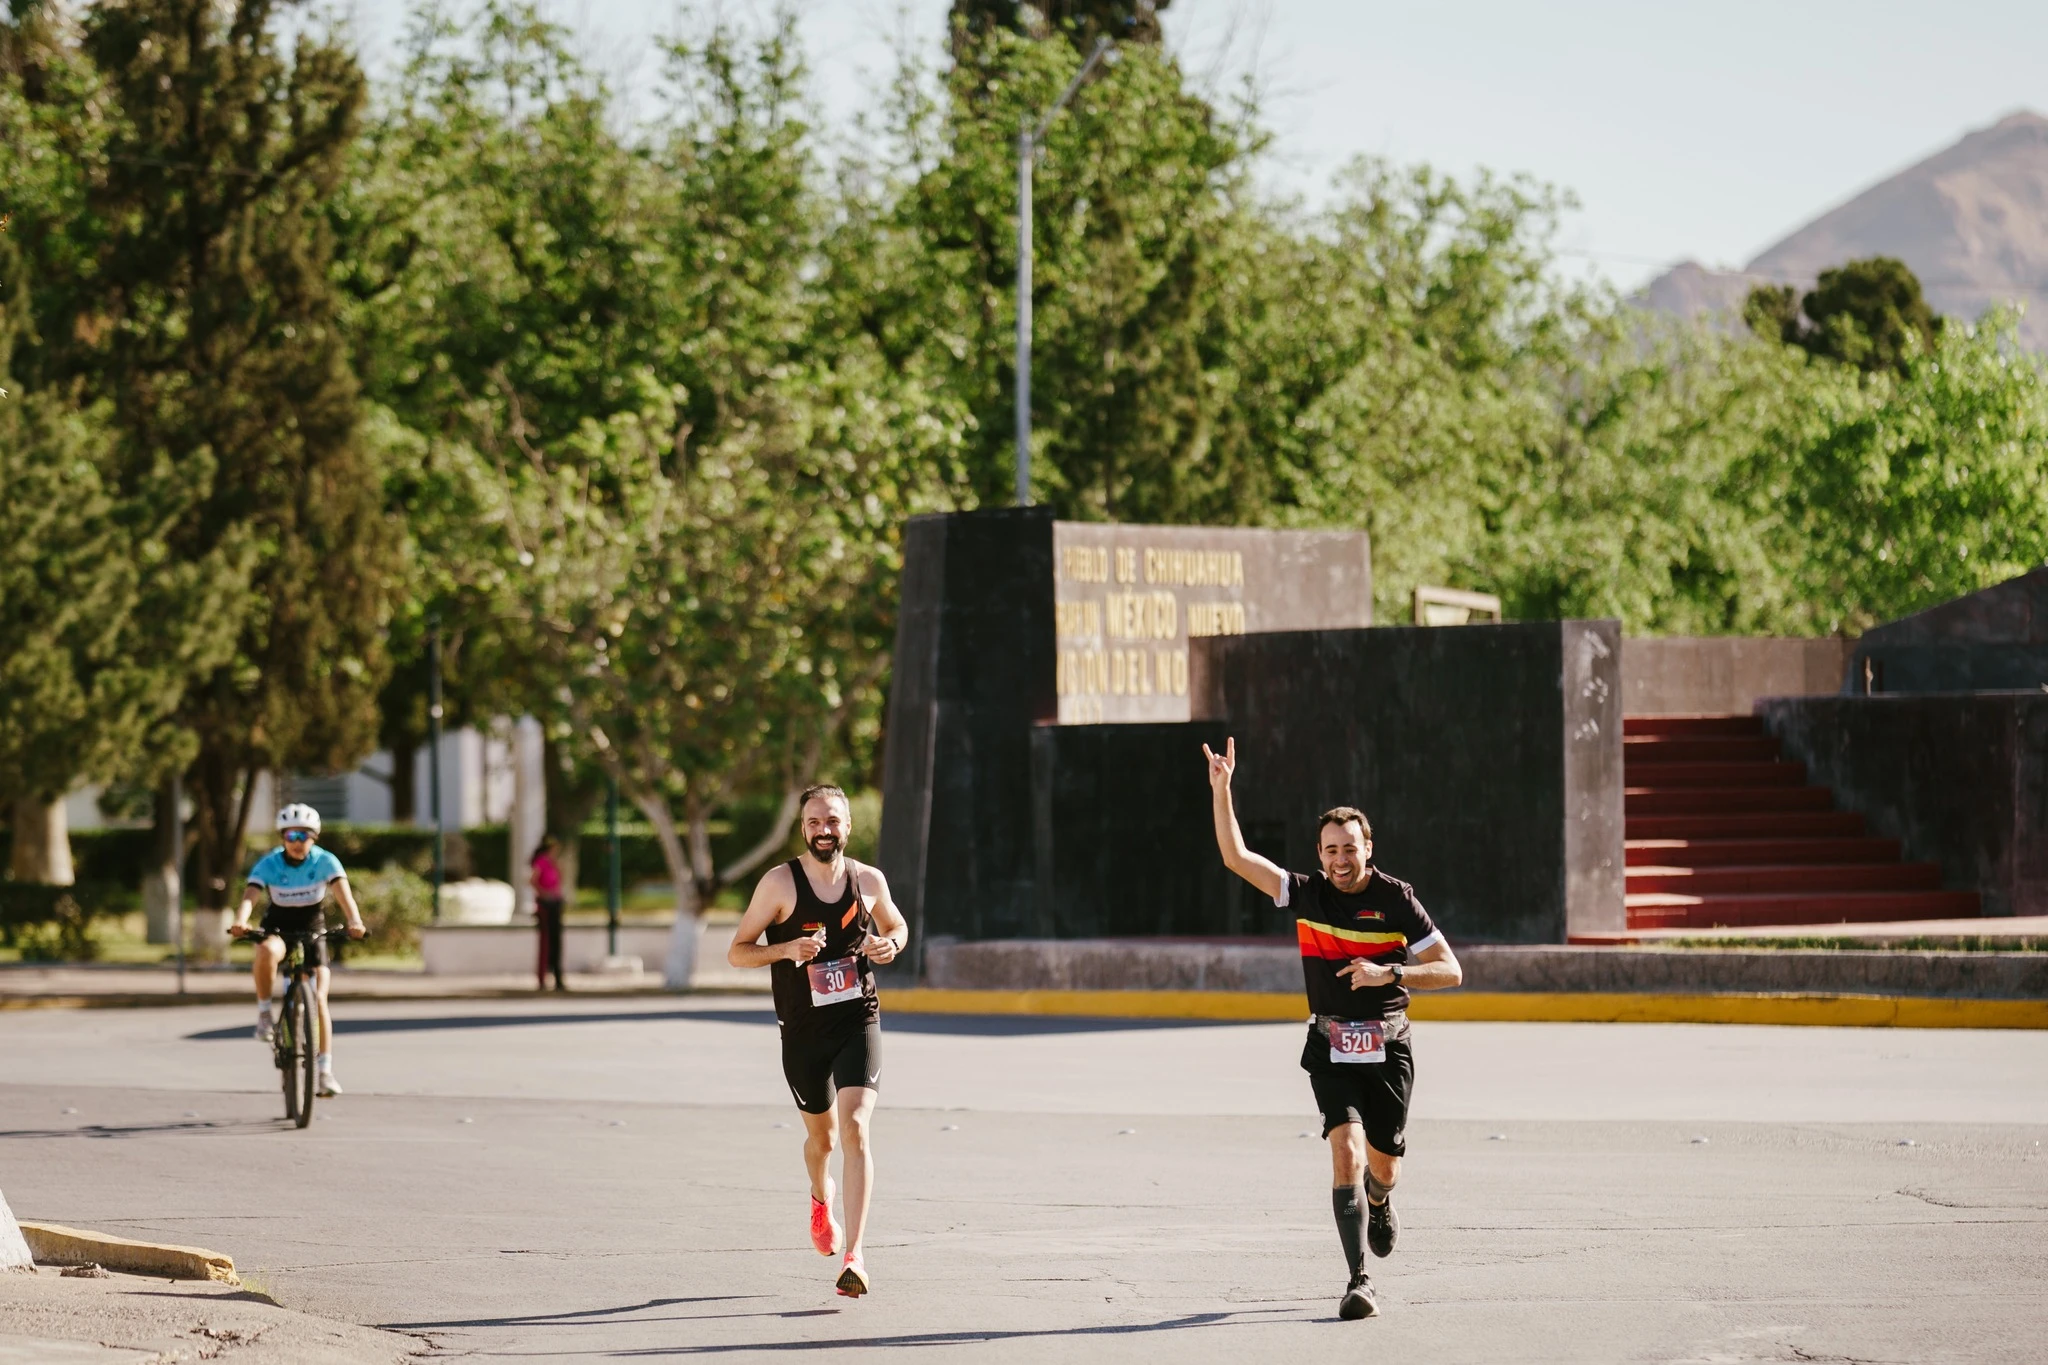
point(818, 789)
point(1343, 815)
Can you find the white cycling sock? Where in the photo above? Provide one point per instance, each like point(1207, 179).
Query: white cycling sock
point(324, 1061)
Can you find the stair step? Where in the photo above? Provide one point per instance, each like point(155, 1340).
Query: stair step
point(1692, 726)
point(1759, 825)
point(1764, 774)
point(1714, 800)
point(1762, 879)
point(1737, 852)
point(1698, 749)
point(1662, 910)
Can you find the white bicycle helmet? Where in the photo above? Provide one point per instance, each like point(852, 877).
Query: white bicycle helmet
point(298, 815)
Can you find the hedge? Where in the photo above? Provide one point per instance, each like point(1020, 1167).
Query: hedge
point(119, 857)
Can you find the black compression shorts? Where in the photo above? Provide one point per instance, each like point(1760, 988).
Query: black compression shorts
point(819, 1064)
point(310, 920)
point(1372, 1093)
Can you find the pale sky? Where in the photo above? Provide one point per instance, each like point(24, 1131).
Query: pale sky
point(1687, 130)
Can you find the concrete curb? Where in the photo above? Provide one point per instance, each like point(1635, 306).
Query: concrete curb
point(1586, 1007)
point(1540, 969)
point(149, 1000)
point(51, 1244)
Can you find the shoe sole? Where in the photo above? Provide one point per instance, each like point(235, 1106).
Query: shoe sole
point(1356, 1306)
point(852, 1283)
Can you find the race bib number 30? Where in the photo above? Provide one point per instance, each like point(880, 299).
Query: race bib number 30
point(834, 981)
point(1358, 1042)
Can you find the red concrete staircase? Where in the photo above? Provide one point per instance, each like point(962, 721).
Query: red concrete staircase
point(1723, 832)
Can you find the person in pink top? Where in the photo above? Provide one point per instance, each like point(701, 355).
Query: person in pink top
point(547, 896)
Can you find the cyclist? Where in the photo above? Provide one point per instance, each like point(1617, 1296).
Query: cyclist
point(297, 875)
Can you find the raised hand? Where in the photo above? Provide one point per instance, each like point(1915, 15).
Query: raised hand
point(1222, 765)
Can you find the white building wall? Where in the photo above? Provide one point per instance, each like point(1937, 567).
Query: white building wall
point(480, 784)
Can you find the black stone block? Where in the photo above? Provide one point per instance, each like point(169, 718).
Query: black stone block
point(1993, 640)
point(1488, 759)
point(1959, 780)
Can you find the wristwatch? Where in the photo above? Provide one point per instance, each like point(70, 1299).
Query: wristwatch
point(1399, 971)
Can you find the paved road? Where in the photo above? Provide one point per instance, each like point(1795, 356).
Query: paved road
point(620, 1180)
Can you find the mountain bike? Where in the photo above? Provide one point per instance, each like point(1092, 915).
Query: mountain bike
point(295, 1037)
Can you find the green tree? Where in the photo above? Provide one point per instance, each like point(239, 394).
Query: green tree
point(211, 329)
point(1912, 489)
point(100, 627)
point(1136, 200)
point(1868, 313)
point(1127, 21)
point(658, 458)
point(1644, 496)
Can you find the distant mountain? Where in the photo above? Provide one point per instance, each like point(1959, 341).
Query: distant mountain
point(1971, 222)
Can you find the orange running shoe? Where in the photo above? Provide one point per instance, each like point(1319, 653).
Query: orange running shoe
point(824, 1231)
point(853, 1280)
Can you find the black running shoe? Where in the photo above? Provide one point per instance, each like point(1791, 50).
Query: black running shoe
point(1382, 1226)
point(1358, 1300)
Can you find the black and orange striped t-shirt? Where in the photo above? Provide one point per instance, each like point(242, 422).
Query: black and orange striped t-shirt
point(1381, 922)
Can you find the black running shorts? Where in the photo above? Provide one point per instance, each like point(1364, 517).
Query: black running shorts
point(309, 920)
point(818, 1065)
point(1372, 1093)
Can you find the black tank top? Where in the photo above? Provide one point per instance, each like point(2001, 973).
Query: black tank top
point(846, 924)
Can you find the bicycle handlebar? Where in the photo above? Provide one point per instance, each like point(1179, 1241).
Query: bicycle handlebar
point(252, 933)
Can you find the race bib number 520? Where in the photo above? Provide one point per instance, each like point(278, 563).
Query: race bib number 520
point(834, 981)
point(1365, 1042)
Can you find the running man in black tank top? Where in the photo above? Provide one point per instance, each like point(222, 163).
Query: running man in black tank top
point(820, 924)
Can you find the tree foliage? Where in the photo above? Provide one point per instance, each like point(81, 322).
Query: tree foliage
point(208, 324)
point(1868, 313)
point(635, 410)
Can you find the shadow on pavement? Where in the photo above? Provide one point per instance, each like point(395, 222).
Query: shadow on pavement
point(1183, 1323)
point(129, 1130)
point(956, 1025)
point(574, 1319)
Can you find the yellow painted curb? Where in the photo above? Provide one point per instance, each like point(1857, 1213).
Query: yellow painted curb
point(1257, 1006)
point(1636, 1007)
point(54, 1245)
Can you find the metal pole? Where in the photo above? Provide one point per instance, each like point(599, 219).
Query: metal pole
point(1026, 153)
point(177, 887)
point(611, 873)
point(434, 757)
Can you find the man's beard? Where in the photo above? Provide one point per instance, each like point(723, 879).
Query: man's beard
point(825, 847)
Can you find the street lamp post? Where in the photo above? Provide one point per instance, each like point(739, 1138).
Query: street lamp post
point(611, 866)
point(434, 757)
point(1027, 153)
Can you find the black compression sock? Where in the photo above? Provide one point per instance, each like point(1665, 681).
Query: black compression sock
point(1374, 1191)
point(1349, 1205)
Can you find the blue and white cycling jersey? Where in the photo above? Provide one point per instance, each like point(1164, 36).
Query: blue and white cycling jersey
point(296, 886)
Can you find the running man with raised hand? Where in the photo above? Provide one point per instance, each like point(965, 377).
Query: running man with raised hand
point(827, 921)
point(297, 875)
point(1365, 943)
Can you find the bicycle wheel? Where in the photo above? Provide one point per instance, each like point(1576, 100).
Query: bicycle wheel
point(305, 1046)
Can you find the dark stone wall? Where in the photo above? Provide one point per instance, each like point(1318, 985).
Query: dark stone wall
point(1126, 840)
point(1487, 757)
point(1958, 780)
point(974, 674)
point(1988, 641)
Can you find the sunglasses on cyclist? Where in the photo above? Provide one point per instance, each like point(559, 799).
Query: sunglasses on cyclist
point(296, 836)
